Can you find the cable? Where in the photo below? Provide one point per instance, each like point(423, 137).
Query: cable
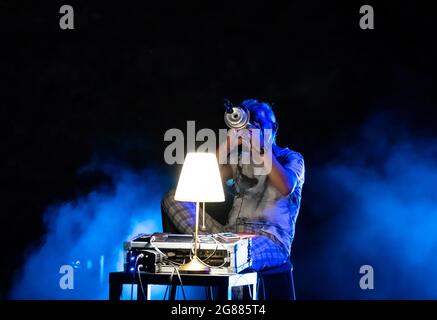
point(240, 194)
point(133, 276)
point(208, 265)
point(180, 280)
point(212, 254)
point(215, 250)
point(141, 282)
point(166, 289)
point(156, 248)
point(166, 258)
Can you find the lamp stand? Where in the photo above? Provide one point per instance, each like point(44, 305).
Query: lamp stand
point(195, 265)
point(203, 217)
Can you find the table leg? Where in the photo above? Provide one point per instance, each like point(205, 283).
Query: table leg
point(254, 292)
point(115, 288)
point(173, 288)
point(140, 295)
point(223, 292)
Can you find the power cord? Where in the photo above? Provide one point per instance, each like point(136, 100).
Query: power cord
point(152, 239)
point(141, 282)
point(173, 263)
point(166, 258)
point(180, 280)
point(171, 280)
point(215, 250)
point(133, 275)
point(217, 243)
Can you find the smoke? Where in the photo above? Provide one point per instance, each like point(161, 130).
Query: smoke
point(88, 234)
point(375, 204)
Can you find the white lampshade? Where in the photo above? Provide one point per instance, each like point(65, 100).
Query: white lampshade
point(200, 179)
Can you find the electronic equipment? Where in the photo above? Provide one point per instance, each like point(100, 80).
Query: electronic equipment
point(227, 237)
point(163, 252)
point(147, 259)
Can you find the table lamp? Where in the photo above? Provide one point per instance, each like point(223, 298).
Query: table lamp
point(199, 181)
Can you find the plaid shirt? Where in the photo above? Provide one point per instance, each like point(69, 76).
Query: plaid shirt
point(258, 208)
point(259, 205)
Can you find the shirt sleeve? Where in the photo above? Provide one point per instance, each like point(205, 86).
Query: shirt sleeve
point(294, 162)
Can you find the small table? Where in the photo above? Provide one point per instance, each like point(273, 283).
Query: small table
point(224, 283)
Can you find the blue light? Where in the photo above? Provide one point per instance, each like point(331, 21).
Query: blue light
point(82, 225)
point(132, 269)
point(132, 258)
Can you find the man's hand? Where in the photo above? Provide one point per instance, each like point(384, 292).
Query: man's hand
point(283, 180)
point(223, 151)
point(258, 137)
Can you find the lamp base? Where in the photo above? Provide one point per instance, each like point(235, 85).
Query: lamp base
point(194, 266)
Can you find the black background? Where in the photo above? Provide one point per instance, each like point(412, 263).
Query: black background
point(131, 70)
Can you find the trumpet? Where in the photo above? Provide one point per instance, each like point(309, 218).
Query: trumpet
point(236, 117)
